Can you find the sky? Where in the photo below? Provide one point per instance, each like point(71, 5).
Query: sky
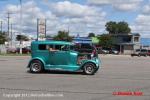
point(78, 16)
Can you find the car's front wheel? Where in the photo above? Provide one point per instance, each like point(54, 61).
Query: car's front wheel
point(139, 55)
point(36, 66)
point(89, 69)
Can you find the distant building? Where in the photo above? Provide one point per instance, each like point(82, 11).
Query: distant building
point(91, 40)
point(82, 40)
point(126, 43)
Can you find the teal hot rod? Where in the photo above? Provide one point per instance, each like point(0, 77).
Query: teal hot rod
point(60, 55)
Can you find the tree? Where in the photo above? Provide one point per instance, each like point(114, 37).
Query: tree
point(63, 36)
point(117, 28)
point(22, 38)
point(105, 40)
point(3, 37)
point(111, 27)
point(123, 28)
point(91, 35)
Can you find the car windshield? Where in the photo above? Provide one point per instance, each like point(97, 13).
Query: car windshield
point(137, 50)
point(65, 47)
point(108, 49)
point(143, 50)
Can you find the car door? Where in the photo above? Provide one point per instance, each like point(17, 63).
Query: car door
point(59, 56)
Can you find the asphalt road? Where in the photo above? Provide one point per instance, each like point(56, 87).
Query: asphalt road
point(118, 74)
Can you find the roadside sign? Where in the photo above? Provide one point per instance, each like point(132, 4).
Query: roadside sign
point(41, 29)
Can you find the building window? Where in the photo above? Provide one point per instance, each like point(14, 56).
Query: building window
point(126, 39)
point(136, 39)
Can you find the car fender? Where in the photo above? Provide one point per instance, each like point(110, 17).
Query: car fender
point(83, 62)
point(36, 58)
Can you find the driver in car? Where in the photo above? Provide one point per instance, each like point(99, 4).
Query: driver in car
point(53, 49)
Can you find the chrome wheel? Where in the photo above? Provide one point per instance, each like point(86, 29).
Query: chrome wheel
point(89, 69)
point(36, 66)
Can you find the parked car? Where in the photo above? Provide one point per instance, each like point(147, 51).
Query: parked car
point(114, 51)
point(84, 47)
point(104, 51)
point(140, 52)
point(11, 50)
point(62, 56)
point(148, 53)
point(25, 50)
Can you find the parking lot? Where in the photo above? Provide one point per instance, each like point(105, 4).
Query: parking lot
point(117, 74)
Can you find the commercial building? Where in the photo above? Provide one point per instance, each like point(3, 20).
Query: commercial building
point(126, 43)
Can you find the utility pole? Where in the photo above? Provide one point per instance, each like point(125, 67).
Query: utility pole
point(68, 29)
point(11, 35)
point(1, 26)
point(8, 29)
point(20, 25)
point(37, 29)
point(8, 18)
point(45, 27)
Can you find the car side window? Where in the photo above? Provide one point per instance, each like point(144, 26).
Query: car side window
point(72, 47)
point(137, 50)
point(42, 47)
point(52, 48)
point(58, 47)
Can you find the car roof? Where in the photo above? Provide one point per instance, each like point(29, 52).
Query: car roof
point(52, 42)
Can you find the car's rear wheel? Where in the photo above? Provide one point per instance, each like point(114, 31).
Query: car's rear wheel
point(132, 55)
point(145, 55)
point(89, 69)
point(36, 66)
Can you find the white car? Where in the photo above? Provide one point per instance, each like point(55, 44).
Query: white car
point(105, 51)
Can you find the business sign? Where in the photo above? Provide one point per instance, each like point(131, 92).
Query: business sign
point(41, 29)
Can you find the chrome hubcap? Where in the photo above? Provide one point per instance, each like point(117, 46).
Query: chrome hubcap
point(35, 67)
point(89, 69)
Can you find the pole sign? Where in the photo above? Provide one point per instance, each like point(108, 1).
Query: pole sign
point(41, 29)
